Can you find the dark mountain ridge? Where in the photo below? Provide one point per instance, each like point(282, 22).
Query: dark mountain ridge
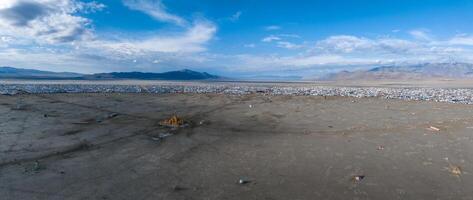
point(11, 72)
point(17, 73)
point(172, 75)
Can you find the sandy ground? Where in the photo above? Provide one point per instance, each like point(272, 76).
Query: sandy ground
point(107, 146)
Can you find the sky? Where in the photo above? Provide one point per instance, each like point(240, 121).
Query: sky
point(236, 38)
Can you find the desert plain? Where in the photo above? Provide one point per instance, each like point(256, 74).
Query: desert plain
point(251, 146)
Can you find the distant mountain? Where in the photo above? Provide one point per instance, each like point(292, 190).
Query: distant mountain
point(409, 72)
point(271, 78)
point(18, 73)
point(172, 75)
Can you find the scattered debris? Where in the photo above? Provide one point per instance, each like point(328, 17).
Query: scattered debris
point(178, 188)
point(112, 115)
point(50, 115)
point(164, 135)
point(72, 132)
point(34, 168)
point(109, 116)
point(380, 147)
point(161, 136)
point(451, 95)
point(260, 91)
point(358, 178)
point(99, 120)
point(425, 163)
point(174, 121)
point(204, 122)
point(330, 126)
point(89, 121)
point(243, 181)
point(433, 128)
point(455, 170)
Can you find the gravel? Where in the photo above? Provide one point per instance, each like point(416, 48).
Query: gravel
point(450, 95)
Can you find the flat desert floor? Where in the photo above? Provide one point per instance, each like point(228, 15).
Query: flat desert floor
point(111, 146)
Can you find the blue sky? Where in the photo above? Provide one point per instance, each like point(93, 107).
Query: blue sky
point(233, 37)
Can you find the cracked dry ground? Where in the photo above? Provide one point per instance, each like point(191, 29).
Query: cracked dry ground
point(104, 146)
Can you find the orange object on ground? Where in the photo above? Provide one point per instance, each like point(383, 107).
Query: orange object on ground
point(173, 121)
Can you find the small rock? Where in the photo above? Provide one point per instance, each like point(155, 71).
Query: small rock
point(112, 115)
point(358, 178)
point(433, 128)
point(243, 181)
point(161, 136)
point(179, 188)
point(455, 170)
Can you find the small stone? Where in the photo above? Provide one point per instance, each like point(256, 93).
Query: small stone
point(243, 181)
point(358, 178)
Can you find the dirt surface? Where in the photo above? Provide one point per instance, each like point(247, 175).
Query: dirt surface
point(111, 146)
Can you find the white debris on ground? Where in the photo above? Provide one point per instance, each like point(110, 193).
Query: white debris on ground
point(451, 95)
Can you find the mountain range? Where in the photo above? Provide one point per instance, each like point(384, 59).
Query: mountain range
point(452, 70)
point(17, 73)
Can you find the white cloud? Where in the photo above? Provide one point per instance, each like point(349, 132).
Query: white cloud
point(288, 45)
point(348, 51)
point(270, 64)
point(250, 45)
point(90, 7)
point(283, 44)
point(353, 44)
point(156, 9)
point(46, 21)
point(193, 40)
point(289, 35)
point(461, 40)
point(235, 17)
point(6, 4)
point(272, 28)
point(271, 38)
point(53, 35)
point(343, 44)
point(420, 35)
